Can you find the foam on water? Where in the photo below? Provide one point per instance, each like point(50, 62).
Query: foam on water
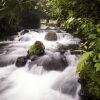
point(37, 83)
point(49, 86)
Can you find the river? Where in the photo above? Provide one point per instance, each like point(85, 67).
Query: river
point(36, 82)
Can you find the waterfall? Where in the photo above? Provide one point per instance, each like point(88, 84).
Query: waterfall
point(47, 78)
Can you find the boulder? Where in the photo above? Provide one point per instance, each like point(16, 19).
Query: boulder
point(51, 36)
point(52, 61)
point(36, 49)
point(63, 48)
point(21, 61)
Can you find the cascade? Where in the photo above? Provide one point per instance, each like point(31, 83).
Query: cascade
point(48, 78)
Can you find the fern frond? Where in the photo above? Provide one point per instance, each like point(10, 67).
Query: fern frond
point(83, 60)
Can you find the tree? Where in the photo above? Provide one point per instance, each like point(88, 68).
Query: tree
point(11, 14)
point(80, 8)
point(49, 8)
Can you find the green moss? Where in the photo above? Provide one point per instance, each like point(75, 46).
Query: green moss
point(36, 49)
point(92, 80)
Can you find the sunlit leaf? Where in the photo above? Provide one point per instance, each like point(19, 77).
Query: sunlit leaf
point(97, 65)
point(83, 60)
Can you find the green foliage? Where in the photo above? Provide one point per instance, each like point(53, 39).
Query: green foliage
point(49, 8)
point(80, 8)
point(97, 65)
point(90, 42)
point(82, 18)
point(11, 15)
point(92, 79)
point(96, 61)
point(12, 9)
point(36, 49)
point(88, 29)
point(84, 60)
point(89, 65)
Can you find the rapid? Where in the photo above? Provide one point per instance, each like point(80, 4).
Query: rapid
point(36, 82)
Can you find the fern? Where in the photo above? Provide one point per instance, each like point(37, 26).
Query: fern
point(83, 60)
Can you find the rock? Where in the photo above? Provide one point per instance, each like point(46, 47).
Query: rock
point(76, 52)
point(72, 46)
point(59, 31)
point(24, 31)
point(53, 61)
point(34, 57)
point(36, 49)
point(51, 36)
point(21, 61)
point(63, 48)
point(84, 93)
point(48, 28)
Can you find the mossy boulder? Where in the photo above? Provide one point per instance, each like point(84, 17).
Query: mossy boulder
point(36, 49)
point(91, 82)
point(51, 36)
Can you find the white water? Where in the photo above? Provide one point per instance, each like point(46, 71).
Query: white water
point(38, 83)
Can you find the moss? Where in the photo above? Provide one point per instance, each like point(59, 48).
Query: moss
point(36, 49)
point(92, 79)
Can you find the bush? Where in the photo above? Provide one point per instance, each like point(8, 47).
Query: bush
point(89, 65)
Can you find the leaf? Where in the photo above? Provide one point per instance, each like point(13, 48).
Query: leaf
point(99, 55)
point(2, 9)
point(97, 65)
point(97, 45)
point(98, 30)
point(83, 60)
point(92, 36)
point(97, 68)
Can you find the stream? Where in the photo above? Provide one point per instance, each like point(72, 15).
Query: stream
point(33, 81)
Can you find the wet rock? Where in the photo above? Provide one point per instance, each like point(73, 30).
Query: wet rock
point(24, 31)
point(51, 36)
point(59, 31)
point(63, 48)
point(21, 61)
point(54, 61)
point(84, 93)
point(76, 52)
point(34, 57)
point(72, 46)
point(48, 28)
point(36, 49)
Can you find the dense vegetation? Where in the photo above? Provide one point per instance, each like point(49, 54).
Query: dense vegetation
point(16, 15)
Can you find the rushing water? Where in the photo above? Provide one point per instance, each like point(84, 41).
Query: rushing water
point(35, 82)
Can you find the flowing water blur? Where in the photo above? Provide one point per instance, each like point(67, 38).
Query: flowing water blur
point(37, 83)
